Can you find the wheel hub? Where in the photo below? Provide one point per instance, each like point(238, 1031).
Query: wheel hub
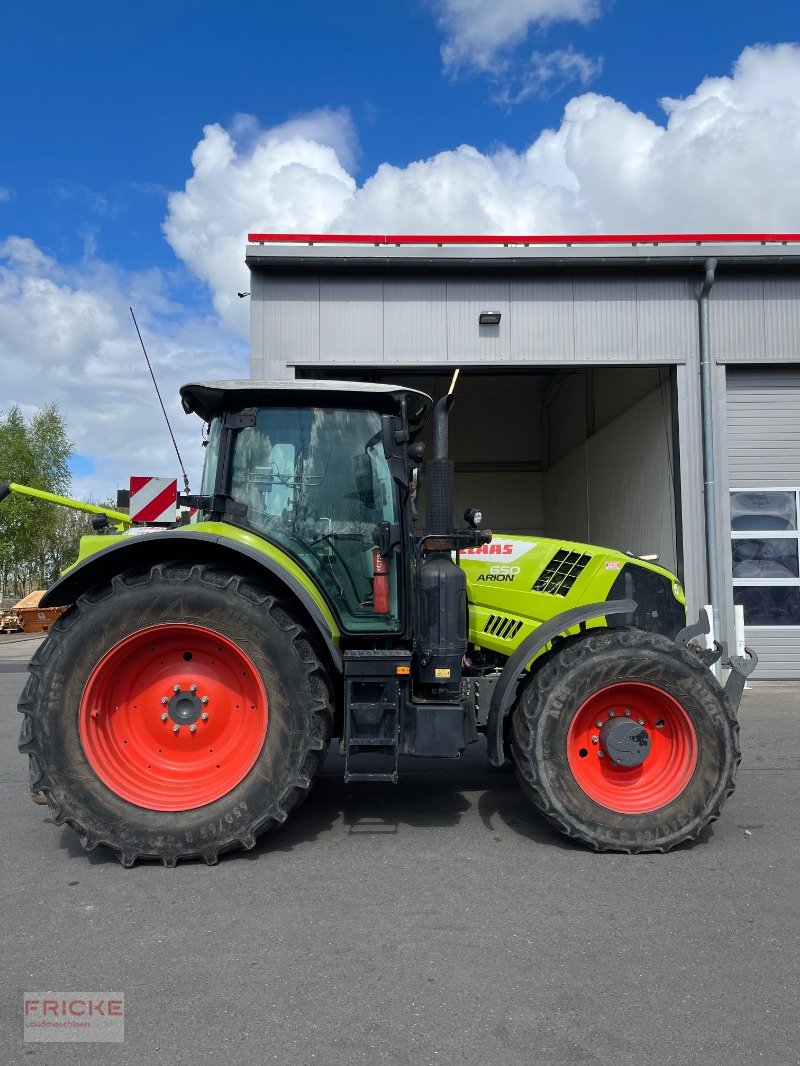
point(168, 737)
point(632, 747)
point(184, 708)
point(625, 741)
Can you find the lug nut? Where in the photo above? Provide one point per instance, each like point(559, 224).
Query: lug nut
point(600, 754)
point(640, 721)
point(176, 688)
point(595, 740)
point(204, 716)
point(164, 700)
point(193, 688)
point(192, 728)
point(176, 729)
point(612, 714)
point(164, 717)
point(204, 699)
point(627, 713)
point(598, 723)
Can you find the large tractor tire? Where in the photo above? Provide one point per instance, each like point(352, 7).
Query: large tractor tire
point(176, 712)
point(625, 741)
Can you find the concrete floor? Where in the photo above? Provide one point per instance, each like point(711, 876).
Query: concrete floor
point(436, 921)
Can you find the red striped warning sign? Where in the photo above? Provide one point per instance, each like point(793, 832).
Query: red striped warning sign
point(153, 499)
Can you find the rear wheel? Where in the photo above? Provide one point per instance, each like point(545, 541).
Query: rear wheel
point(625, 741)
point(177, 712)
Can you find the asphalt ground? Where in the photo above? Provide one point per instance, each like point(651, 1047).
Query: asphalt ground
point(436, 921)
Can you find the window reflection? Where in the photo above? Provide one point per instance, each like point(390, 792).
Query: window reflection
point(764, 557)
point(765, 564)
point(763, 511)
point(768, 605)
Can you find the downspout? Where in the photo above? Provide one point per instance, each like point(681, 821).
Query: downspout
point(709, 465)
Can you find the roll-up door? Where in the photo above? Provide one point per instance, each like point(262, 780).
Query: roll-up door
point(763, 415)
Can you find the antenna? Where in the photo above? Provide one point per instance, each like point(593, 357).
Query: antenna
point(163, 408)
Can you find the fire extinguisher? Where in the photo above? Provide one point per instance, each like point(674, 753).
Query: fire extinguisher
point(380, 583)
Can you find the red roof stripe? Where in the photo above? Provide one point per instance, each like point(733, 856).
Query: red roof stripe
point(582, 238)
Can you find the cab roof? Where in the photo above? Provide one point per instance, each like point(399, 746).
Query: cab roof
point(210, 398)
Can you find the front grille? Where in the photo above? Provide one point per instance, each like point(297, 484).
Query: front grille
point(500, 626)
point(561, 573)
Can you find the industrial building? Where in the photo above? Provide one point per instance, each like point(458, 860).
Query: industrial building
point(634, 391)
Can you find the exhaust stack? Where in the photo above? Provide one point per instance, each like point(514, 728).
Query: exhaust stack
point(441, 629)
point(439, 470)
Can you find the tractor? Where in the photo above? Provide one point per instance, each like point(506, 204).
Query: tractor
point(184, 702)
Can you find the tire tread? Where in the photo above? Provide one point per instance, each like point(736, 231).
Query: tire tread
point(555, 670)
point(320, 720)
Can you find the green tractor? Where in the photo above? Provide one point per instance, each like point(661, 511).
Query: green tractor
point(184, 702)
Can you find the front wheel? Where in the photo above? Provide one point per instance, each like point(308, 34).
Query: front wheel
point(175, 712)
point(625, 741)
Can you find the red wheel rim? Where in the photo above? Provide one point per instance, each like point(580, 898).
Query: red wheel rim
point(142, 689)
point(665, 772)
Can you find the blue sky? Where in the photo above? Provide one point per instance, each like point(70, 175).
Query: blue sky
point(104, 104)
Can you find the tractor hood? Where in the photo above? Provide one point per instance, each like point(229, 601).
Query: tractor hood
point(515, 584)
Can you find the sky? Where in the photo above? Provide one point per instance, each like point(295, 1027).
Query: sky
point(141, 143)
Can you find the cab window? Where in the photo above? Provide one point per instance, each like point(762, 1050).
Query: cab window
point(316, 482)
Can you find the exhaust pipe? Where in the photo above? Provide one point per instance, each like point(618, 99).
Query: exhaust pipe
point(439, 471)
point(441, 601)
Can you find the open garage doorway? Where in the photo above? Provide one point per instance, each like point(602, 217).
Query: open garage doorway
point(584, 453)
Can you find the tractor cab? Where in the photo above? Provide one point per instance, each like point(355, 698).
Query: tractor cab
point(320, 469)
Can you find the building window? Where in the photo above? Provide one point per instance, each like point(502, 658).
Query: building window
point(765, 549)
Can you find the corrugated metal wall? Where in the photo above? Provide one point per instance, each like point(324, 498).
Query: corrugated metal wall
point(430, 318)
point(755, 318)
point(763, 423)
point(433, 319)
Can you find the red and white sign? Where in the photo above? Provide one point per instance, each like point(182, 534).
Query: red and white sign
point(153, 499)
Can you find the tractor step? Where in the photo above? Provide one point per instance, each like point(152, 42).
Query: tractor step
point(353, 775)
point(368, 742)
point(372, 695)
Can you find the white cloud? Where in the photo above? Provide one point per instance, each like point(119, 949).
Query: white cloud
point(546, 74)
point(725, 158)
point(5, 194)
point(479, 33)
point(66, 334)
point(287, 178)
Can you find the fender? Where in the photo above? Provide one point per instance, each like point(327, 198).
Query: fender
point(156, 548)
point(506, 688)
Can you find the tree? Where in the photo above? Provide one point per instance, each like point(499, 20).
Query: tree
point(34, 453)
